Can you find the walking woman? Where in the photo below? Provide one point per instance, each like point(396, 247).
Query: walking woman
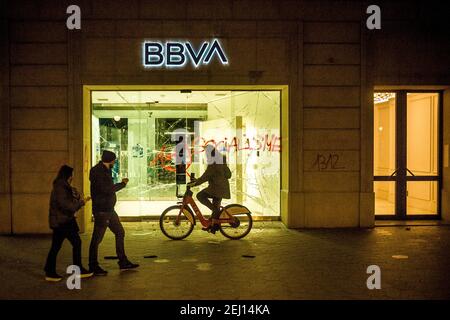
point(65, 201)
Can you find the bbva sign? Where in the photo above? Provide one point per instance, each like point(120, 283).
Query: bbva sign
point(177, 54)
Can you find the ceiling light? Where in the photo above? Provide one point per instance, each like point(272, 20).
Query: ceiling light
point(117, 118)
point(380, 97)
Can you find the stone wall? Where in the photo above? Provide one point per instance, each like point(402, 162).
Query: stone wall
point(320, 49)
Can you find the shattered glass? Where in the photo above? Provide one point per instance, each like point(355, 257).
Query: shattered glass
point(139, 127)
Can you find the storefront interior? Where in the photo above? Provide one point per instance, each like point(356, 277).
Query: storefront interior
point(140, 126)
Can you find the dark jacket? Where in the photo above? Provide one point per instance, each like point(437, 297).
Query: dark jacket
point(103, 189)
point(217, 176)
point(64, 202)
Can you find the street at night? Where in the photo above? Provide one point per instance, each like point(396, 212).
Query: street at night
point(271, 263)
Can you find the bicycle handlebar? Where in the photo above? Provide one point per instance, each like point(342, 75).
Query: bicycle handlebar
point(188, 189)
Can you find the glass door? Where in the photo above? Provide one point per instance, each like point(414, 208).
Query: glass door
point(406, 154)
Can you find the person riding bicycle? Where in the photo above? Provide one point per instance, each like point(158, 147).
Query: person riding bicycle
point(217, 174)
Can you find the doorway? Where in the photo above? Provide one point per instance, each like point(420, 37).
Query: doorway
point(407, 149)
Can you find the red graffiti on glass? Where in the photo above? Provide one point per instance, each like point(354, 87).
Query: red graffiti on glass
point(269, 143)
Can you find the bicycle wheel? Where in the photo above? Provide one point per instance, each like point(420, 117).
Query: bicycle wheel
point(242, 224)
point(173, 229)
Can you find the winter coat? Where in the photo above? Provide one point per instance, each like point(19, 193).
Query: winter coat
point(64, 202)
point(103, 189)
point(217, 176)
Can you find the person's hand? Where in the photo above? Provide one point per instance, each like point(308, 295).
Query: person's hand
point(86, 199)
point(125, 180)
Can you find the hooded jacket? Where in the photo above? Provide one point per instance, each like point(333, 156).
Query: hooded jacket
point(103, 189)
point(217, 176)
point(64, 202)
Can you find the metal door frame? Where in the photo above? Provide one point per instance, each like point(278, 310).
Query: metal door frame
point(400, 176)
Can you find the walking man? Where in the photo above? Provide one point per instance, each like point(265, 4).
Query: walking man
point(103, 193)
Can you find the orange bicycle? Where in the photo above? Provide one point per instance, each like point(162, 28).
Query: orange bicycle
point(178, 221)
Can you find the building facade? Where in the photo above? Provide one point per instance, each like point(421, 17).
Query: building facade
point(332, 155)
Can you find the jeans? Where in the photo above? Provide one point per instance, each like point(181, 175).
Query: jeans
point(69, 232)
point(213, 205)
point(102, 221)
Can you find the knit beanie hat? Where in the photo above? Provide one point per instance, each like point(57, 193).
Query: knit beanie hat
point(108, 156)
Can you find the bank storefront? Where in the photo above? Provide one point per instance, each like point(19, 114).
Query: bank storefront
point(306, 104)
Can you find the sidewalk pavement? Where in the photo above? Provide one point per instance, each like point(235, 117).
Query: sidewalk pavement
point(272, 262)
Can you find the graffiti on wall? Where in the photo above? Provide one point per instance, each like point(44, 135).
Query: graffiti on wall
point(327, 161)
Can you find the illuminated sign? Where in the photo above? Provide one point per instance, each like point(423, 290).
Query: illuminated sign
point(177, 54)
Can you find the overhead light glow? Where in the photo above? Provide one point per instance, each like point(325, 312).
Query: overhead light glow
point(380, 97)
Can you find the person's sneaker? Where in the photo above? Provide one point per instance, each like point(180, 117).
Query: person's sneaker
point(214, 228)
point(98, 271)
point(84, 273)
point(52, 277)
point(128, 265)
